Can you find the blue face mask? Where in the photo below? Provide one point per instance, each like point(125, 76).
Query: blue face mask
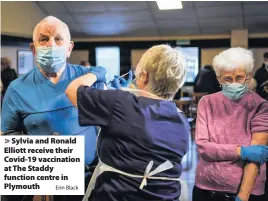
point(234, 91)
point(51, 59)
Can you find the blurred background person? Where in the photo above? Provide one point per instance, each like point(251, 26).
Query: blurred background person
point(206, 80)
point(252, 85)
point(261, 77)
point(85, 63)
point(7, 74)
point(1, 93)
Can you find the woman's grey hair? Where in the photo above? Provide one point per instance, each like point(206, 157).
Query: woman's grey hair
point(167, 70)
point(51, 19)
point(233, 58)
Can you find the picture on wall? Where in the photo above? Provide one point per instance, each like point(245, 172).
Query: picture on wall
point(109, 57)
point(25, 61)
point(192, 61)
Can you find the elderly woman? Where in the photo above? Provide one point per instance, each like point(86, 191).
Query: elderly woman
point(228, 122)
point(143, 136)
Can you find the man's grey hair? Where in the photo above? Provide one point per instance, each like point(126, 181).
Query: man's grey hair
point(233, 58)
point(51, 19)
point(167, 70)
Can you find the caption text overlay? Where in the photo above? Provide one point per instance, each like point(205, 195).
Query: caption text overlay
point(41, 165)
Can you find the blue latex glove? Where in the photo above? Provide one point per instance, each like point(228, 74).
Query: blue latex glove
point(237, 198)
point(255, 153)
point(119, 82)
point(116, 82)
point(100, 73)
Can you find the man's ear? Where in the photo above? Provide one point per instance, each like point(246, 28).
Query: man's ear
point(32, 47)
point(70, 48)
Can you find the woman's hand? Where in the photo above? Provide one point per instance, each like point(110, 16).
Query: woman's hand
point(255, 153)
point(237, 198)
point(100, 73)
point(240, 197)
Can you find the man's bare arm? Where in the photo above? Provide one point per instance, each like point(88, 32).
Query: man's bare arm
point(251, 170)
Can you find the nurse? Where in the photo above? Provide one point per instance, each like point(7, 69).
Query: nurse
point(144, 136)
point(36, 103)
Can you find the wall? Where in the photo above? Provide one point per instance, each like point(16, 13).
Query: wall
point(78, 55)
point(11, 53)
point(207, 55)
point(18, 18)
point(258, 56)
point(136, 56)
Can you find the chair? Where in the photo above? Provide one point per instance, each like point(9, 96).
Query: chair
point(183, 104)
point(195, 99)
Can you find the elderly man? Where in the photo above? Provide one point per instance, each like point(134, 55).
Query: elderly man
point(36, 103)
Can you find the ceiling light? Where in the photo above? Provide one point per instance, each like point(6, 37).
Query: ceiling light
point(169, 4)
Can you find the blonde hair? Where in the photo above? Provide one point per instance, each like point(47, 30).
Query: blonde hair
point(51, 19)
point(167, 69)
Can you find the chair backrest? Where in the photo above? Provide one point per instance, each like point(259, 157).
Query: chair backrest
point(197, 96)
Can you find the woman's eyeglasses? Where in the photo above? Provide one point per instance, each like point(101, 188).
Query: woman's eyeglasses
point(238, 79)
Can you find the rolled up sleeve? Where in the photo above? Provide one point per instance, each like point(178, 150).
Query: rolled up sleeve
point(259, 123)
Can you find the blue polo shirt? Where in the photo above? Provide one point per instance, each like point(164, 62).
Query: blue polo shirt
point(37, 106)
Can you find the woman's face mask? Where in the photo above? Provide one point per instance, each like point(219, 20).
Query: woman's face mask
point(234, 91)
point(51, 59)
point(234, 83)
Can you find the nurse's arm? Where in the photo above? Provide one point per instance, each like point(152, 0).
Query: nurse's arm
point(85, 80)
point(251, 170)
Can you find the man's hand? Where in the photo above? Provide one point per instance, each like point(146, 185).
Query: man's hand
point(100, 73)
point(255, 153)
